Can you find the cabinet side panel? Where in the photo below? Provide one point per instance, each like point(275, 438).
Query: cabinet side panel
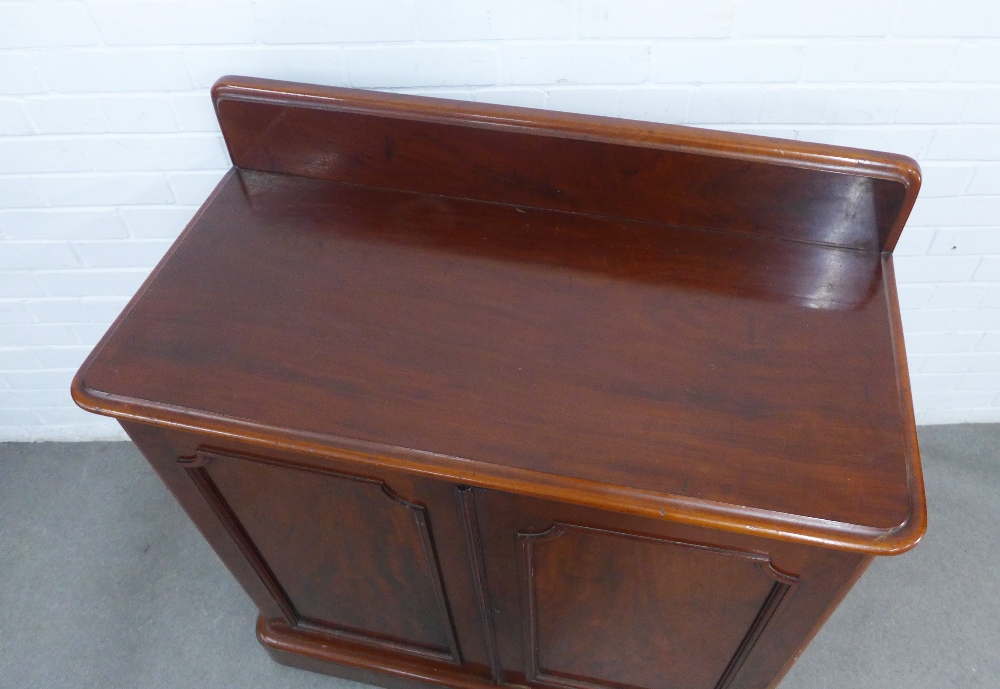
point(827, 577)
point(162, 454)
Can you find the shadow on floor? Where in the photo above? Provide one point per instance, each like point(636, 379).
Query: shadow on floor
point(105, 583)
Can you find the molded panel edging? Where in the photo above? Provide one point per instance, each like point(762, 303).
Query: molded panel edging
point(535, 675)
point(196, 469)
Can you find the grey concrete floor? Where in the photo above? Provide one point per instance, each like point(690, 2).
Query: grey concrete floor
point(104, 583)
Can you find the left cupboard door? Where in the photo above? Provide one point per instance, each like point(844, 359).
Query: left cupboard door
point(372, 560)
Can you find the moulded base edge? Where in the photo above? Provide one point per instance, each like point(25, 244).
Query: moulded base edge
point(315, 652)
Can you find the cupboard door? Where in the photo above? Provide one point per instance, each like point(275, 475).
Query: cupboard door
point(581, 604)
point(341, 554)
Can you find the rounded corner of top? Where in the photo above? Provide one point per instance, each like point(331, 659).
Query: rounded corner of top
point(227, 83)
point(907, 535)
point(81, 393)
point(909, 172)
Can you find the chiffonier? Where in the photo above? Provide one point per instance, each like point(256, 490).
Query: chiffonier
point(469, 395)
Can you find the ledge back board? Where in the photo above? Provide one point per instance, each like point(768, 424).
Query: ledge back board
point(594, 165)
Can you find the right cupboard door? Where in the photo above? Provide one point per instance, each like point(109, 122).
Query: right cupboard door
point(583, 599)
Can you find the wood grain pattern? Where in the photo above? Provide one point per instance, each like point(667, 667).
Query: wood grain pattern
point(329, 544)
point(642, 171)
point(626, 602)
point(669, 369)
point(610, 609)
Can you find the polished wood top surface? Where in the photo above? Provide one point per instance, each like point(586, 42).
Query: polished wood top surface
point(739, 379)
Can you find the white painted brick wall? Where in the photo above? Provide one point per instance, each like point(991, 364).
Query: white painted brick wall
point(108, 142)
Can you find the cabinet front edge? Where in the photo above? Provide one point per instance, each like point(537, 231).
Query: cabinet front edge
point(616, 498)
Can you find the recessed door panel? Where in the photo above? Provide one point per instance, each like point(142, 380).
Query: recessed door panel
point(607, 609)
point(342, 554)
point(577, 602)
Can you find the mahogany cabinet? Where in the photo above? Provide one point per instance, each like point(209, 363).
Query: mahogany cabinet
point(468, 395)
